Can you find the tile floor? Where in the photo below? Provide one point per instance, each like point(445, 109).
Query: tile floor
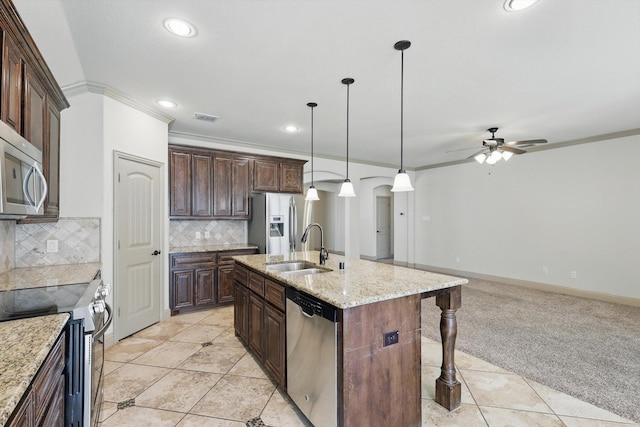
point(192, 371)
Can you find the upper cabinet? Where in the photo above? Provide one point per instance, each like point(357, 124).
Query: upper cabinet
point(215, 184)
point(31, 101)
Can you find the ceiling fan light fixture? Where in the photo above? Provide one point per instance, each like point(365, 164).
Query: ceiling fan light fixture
point(402, 182)
point(480, 158)
point(506, 155)
point(517, 5)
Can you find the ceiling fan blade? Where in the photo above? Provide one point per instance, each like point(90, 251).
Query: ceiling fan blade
point(513, 150)
point(475, 154)
point(461, 149)
point(527, 143)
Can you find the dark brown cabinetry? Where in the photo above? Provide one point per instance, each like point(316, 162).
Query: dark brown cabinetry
point(215, 184)
point(259, 319)
point(31, 101)
point(201, 279)
point(43, 403)
point(278, 175)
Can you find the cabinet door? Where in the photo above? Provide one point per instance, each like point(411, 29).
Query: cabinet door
point(179, 183)
point(225, 283)
point(291, 177)
point(256, 315)
point(52, 161)
point(54, 415)
point(241, 311)
point(274, 343)
point(11, 84)
point(23, 415)
point(201, 185)
point(240, 188)
point(182, 289)
point(265, 175)
point(222, 169)
point(205, 286)
point(35, 110)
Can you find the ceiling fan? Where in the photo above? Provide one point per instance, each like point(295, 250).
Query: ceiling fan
point(496, 149)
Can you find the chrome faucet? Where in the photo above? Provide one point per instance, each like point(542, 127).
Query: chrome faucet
point(324, 255)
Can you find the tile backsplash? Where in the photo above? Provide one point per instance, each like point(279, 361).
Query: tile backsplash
point(7, 245)
point(78, 241)
point(183, 233)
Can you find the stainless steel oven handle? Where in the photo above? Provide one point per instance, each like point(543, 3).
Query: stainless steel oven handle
point(25, 187)
point(45, 188)
point(97, 334)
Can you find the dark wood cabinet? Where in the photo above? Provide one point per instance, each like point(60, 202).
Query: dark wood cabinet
point(43, 402)
point(180, 183)
point(12, 66)
point(52, 161)
point(240, 188)
point(259, 319)
point(278, 175)
point(222, 186)
point(35, 110)
point(265, 175)
point(201, 183)
point(201, 279)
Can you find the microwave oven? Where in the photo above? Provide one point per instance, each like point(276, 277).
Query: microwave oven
point(23, 189)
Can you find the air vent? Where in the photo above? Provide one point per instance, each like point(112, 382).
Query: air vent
point(205, 117)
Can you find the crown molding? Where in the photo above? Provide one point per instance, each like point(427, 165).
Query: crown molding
point(93, 87)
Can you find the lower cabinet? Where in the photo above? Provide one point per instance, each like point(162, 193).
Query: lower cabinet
point(43, 402)
point(201, 279)
point(259, 319)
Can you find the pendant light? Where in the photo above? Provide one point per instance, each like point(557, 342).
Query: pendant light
point(347, 187)
point(312, 193)
point(402, 182)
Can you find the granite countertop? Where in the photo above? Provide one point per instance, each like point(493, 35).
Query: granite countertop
point(210, 248)
point(25, 345)
point(48, 275)
point(361, 282)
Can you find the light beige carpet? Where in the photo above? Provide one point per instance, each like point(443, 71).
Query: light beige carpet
point(585, 348)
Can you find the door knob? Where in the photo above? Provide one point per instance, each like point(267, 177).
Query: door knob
point(156, 252)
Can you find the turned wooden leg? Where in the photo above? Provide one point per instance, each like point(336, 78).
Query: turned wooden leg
point(448, 388)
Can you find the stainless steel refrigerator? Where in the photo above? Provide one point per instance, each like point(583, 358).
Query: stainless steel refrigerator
point(275, 226)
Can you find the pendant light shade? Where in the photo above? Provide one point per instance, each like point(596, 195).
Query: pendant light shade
point(347, 187)
point(312, 193)
point(402, 182)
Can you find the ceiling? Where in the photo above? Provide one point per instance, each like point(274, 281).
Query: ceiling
point(561, 70)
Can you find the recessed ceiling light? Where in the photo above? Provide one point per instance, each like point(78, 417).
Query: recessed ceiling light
point(166, 103)
point(291, 128)
point(179, 27)
point(516, 5)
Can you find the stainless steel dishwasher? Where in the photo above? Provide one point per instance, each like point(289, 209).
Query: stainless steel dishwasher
point(312, 359)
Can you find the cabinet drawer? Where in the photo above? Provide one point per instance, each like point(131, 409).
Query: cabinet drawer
point(274, 293)
point(241, 274)
point(45, 383)
point(187, 260)
point(256, 283)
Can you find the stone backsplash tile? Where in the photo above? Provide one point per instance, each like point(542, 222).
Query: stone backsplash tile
point(183, 233)
point(78, 242)
point(7, 245)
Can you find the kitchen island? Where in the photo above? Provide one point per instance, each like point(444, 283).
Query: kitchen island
point(379, 378)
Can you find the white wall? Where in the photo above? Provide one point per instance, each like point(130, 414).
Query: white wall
point(569, 209)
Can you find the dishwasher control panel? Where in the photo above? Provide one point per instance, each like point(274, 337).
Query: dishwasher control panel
point(312, 306)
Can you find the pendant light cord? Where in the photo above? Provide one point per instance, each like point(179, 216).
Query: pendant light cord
point(348, 130)
point(402, 111)
point(312, 146)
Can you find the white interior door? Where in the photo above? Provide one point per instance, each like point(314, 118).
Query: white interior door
point(138, 234)
point(383, 227)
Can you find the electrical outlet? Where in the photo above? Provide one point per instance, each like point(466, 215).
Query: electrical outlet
point(573, 274)
point(52, 246)
point(391, 338)
point(545, 270)
point(198, 235)
point(206, 234)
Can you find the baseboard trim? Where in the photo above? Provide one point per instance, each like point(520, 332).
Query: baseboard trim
point(600, 296)
point(109, 340)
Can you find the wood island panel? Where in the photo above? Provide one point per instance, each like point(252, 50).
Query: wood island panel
point(380, 385)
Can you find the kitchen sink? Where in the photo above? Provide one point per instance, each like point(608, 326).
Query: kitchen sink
point(296, 268)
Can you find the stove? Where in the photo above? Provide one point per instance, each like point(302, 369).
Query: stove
point(85, 302)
